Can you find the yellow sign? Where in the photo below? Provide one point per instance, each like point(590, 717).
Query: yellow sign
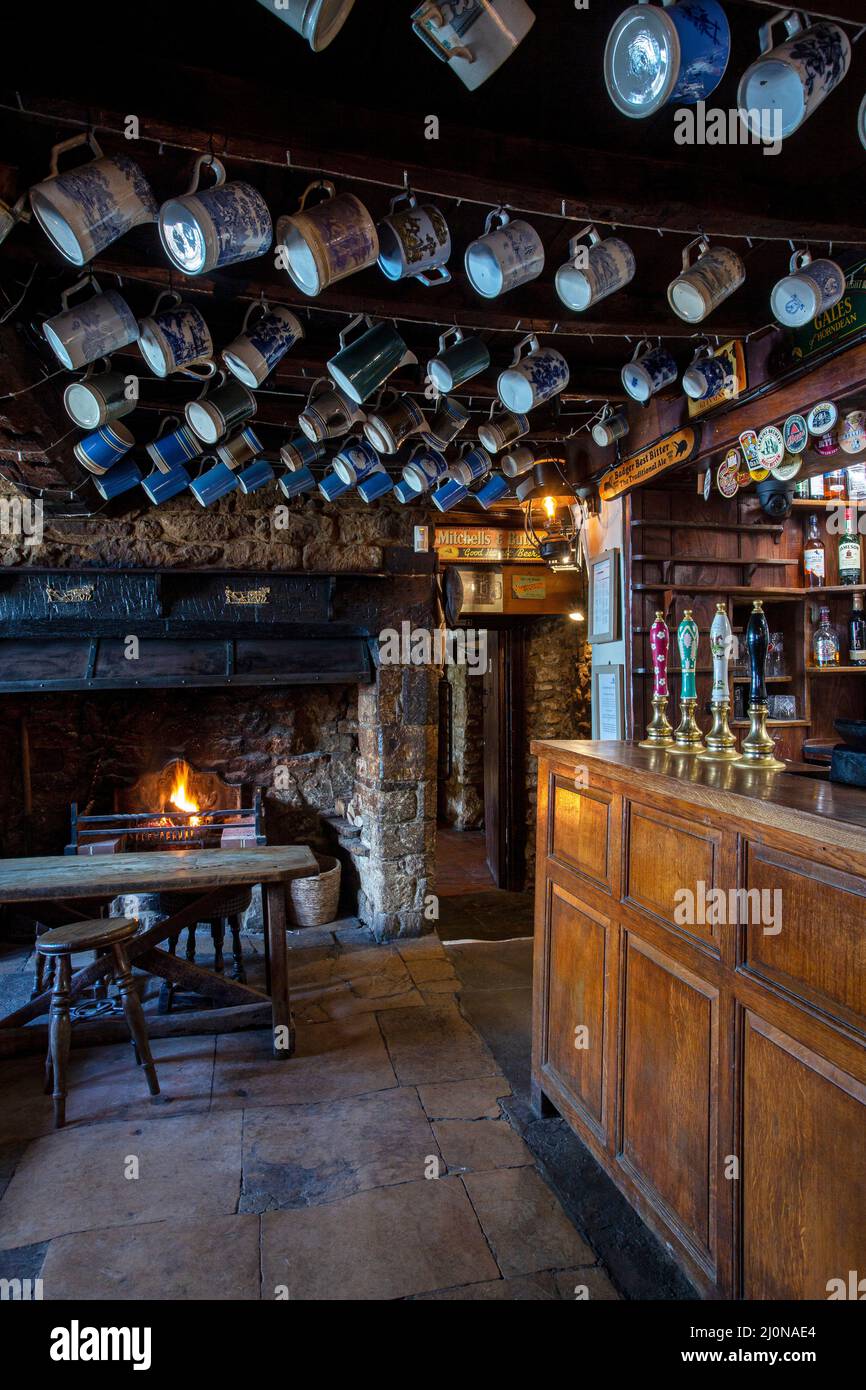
point(483, 545)
point(668, 453)
point(732, 355)
point(528, 586)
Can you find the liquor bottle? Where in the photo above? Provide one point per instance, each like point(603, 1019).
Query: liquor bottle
point(825, 642)
point(857, 632)
point(834, 485)
point(814, 559)
point(849, 551)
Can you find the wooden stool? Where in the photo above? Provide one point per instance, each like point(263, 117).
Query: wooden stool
point(106, 933)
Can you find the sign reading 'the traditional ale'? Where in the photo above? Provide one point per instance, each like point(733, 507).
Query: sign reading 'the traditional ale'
point(845, 320)
point(668, 453)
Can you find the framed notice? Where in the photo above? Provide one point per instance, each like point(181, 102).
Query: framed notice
point(604, 597)
point(607, 703)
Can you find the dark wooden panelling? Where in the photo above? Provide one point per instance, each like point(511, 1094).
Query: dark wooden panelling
point(666, 855)
point(577, 966)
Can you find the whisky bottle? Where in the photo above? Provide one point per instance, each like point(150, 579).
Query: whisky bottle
point(849, 551)
point(814, 559)
point(825, 642)
point(857, 632)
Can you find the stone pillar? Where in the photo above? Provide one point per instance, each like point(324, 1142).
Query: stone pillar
point(395, 792)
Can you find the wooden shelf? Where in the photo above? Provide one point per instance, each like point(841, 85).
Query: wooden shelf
point(815, 503)
point(833, 589)
point(836, 670)
point(762, 527)
point(712, 562)
point(736, 590)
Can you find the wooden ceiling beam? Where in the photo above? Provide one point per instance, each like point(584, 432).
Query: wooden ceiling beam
point(843, 11)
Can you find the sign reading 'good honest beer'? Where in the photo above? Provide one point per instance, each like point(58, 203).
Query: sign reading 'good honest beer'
point(487, 544)
point(632, 472)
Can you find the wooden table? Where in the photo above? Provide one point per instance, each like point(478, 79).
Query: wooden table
point(205, 874)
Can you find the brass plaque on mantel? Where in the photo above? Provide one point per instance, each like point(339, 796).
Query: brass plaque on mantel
point(669, 453)
point(491, 545)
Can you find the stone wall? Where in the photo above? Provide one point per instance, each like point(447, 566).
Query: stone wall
point(464, 789)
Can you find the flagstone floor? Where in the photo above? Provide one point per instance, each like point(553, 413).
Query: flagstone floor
point(380, 1162)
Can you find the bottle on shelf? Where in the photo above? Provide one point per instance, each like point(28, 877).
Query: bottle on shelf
point(825, 642)
point(814, 558)
point(835, 485)
point(816, 488)
point(849, 551)
point(857, 632)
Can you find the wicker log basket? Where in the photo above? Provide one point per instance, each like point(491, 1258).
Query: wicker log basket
point(312, 902)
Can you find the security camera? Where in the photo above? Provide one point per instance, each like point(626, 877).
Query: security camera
point(776, 498)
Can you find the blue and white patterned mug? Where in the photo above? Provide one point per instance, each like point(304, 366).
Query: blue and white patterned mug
point(656, 56)
point(177, 447)
point(217, 482)
point(300, 452)
point(94, 329)
point(123, 477)
point(361, 367)
point(84, 210)
point(414, 242)
point(160, 487)
point(593, 272)
point(459, 359)
point(532, 379)
point(176, 339)
point(787, 84)
point(510, 253)
point(425, 468)
point(297, 483)
point(219, 226)
point(257, 350)
point(811, 288)
point(376, 484)
point(706, 374)
point(649, 371)
point(322, 244)
point(355, 460)
point(101, 450)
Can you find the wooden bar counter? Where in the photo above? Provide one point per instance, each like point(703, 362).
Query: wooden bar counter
point(712, 1056)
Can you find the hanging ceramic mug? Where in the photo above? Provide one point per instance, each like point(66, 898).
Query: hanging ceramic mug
point(227, 406)
point(706, 374)
point(390, 426)
point(99, 398)
point(811, 288)
point(492, 492)
point(649, 371)
point(425, 468)
point(473, 39)
point(101, 450)
point(173, 446)
point(323, 244)
point(448, 494)
point(160, 487)
point(593, 272)
point(414, 242)
point(332, 486)
point(317, 21)
point(94, 329)
point(84, 210)
point(297, 483)
point(705, 283)
point(11, 214)
point(355, 460)
point(204, 230)
point(121, 478)
point(656, 56)
point(459, 359)
point(377, 483)
point(217, 482)
point(241, 449)
point(256, 474)
point(450, 418)
point(257, 350)
point(404, 493)
point(532, 379)
point(362, 366)
point(176, 339)
point(502, 429)
point(329, 413)
point(517, 462)
point(300, 452)
point(510, 253)
point(472, 465)
point(787, 84)
point(609, 428)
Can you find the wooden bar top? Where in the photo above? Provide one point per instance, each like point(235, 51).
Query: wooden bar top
point(822, 811)
point(47, 877)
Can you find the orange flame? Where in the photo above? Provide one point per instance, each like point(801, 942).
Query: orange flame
point(179, 794)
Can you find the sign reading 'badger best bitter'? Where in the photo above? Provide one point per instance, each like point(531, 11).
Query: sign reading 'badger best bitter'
point(668, 453)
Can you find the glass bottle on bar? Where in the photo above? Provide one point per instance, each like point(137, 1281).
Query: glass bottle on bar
point(849, 551)
point(814, 558)
point(825, 642)
point(857, 632)
point(835, 485)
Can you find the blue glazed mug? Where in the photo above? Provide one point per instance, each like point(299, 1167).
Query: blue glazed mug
point(300, 452)
point(101, 450)
point(459, 359)
point(159, 487)
point(209, 487)
point(176, 339)
point(333, 486)
point(659, 55)
point(179, 446)
point(448, 494)
point(361, 367)
point(648, 372)
point(297, 483)
point(424, 469)
point(376, 484)
point(257, 350)
point(256, 475)
point(532, 379)
point(706, 375)
point(219, 226)
point(492, 492)
point(121, 478)
point(404, 493)
point(355, 461)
